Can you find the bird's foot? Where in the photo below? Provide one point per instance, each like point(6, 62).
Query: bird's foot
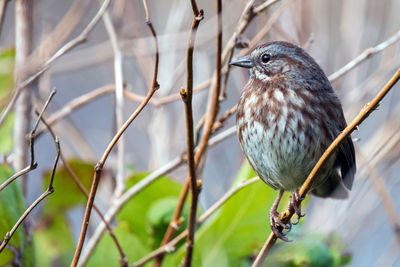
point(295, 205)
point(277, 226)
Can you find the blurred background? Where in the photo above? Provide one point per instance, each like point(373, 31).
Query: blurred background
point(333, 32)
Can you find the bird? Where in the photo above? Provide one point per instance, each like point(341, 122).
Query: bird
point(287, 115)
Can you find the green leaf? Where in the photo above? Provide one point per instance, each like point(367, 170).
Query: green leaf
point(66, 193)
point(106, 253)
point(149, 212)
point(6, 138)
point(12, 206)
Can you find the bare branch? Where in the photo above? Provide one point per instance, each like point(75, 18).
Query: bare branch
point(363, 56)
point(32, 165)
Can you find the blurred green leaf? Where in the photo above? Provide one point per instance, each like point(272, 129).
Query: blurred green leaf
point(12, 206)
point(7, 58)
point(149, 212)
point(106, 253)
point(53, 241)
point(6, 138)
point(66, 193)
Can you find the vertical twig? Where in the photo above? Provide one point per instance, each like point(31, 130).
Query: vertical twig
point(187, 99)
point(23, 35)
point(100, 164)
point(364, 113)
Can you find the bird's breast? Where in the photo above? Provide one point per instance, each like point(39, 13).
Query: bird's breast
point(278, 136)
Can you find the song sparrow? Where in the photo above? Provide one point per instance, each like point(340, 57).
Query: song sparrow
point(288, 114)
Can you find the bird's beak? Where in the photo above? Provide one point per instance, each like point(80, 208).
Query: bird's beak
point(244, 62)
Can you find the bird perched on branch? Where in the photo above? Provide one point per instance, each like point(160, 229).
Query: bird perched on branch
point(288, 114)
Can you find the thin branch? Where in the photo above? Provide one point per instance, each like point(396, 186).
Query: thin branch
point(75, 104)
point(363, 56)
point(49, 191)
point(364, 113)
point(170, 246)
point(68, 46)
point(50, 188)
point(32, 165)
point(100, 164)
point(187, 99)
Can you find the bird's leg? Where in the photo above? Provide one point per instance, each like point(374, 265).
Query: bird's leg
point(295, 205)
point(277, 226)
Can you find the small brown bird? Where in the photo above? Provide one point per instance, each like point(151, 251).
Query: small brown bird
point(288, 114)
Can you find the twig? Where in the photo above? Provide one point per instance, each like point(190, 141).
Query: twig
point(68, 46)
point(50, 188)
point(75, 104)
point(100, 164)
point(32, 165)
point(363, 56)
point(219, 123)
point(364, 113)
point(170, 246)
point(187, 99)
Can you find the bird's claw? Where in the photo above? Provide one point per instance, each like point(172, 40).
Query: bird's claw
point(277, 226)
point(295, 205)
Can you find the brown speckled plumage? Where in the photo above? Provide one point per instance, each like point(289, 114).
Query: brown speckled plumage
point(288, 114)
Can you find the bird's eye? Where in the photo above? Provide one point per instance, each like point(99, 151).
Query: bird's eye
point(265, 58)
